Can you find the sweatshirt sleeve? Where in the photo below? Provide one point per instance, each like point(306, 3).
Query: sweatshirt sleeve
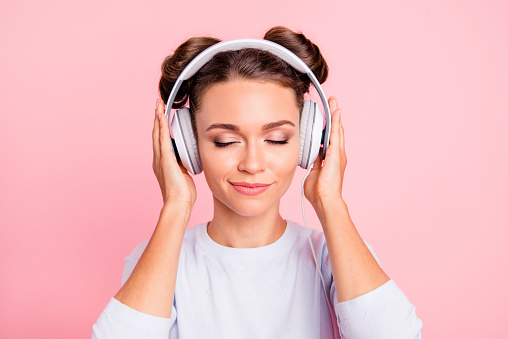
point(384, 312)
point(119, 321)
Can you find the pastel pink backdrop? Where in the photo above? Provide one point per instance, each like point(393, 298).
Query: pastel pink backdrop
point(422, 86)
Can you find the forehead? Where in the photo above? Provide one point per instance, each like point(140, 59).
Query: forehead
point(247, 103)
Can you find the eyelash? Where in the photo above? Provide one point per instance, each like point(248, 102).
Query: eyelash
point(276, 142)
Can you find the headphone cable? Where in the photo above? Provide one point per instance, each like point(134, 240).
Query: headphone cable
point(314, 255)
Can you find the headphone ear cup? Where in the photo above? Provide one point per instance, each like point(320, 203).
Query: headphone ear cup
point(311, 129)
point(304, 133)
point(185, 141)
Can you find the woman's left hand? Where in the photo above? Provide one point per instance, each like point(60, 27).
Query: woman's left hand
point(324, 182)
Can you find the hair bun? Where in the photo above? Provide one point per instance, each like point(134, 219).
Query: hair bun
point(175, 63)
point(302, 47)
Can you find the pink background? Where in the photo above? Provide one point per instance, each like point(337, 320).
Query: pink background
point(422, 86)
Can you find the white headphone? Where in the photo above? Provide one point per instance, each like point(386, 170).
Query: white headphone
point(312, 134)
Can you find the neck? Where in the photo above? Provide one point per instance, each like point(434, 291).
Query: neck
point(231, 229)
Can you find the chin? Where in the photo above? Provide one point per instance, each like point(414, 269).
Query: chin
point(248, 207)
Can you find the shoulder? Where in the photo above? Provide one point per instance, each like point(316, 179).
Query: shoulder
point(191, 235)
point(302, 236)
point(318, 242)
point(302, 243)
point(132, 259)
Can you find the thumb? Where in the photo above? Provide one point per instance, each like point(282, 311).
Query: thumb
point(319, 159)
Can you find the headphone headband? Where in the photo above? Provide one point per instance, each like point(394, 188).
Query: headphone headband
point(233, 45)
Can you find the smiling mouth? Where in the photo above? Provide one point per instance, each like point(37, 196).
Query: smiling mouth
point(250, 189)
point(249, 185)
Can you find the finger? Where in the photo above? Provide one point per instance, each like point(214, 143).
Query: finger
point(164, 137)
point(182, 167)
point(335, 132)
point(342, 144)
point(333, 103)
point(155, 134)
point(319, 159)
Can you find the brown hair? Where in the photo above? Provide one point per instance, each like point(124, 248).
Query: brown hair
point(248, 63)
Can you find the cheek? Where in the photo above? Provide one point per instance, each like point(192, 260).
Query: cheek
point(216, 160)
point(217, 167)
point(284, 157)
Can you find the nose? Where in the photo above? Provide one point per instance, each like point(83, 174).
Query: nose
point(252, 159)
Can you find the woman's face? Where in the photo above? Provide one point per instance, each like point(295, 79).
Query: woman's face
point(248, 131)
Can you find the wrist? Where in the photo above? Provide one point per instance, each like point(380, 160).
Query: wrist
point(330, 208)
point(178, 199)
point(175, 203)
point(177, 208)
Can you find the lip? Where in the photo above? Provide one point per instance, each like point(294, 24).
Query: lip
point(250, 185)
point(250, 189)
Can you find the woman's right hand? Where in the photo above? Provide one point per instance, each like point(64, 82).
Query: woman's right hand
point(175, 182)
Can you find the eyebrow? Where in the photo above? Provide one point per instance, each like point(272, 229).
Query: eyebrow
point(264, 128)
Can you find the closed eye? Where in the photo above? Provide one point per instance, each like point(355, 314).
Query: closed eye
point(277, 142)
point(222, 144)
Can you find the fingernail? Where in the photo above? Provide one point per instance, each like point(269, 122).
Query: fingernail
point(156, 103)
point(160, 116)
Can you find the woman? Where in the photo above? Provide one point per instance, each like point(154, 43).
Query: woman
point(248, 272)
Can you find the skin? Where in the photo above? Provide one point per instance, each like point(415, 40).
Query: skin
point(241, 220)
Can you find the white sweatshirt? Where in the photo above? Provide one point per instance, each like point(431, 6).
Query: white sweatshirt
point(272, 291)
